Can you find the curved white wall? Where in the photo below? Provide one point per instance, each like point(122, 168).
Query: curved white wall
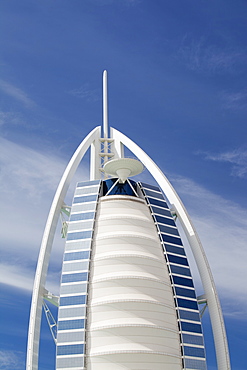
point(132, 322)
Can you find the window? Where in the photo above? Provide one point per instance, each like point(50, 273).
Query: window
point(171, 239)
point(185, 303)
point(73, 245)
point(82, 216)
point(76, 256)
point(76, 266)
point(67, 312)
point(70, 362)
point(173, 249)
point(178, 260)
point(192, 339)
point(189, 315)
point(168, 230)
point(185, 292)
point(87, 190)
point(183, 281)
point(85, 198)
point(81, 207)
point(73, 300)
point(71, 324)
point(180, 270)
point(188, 326)
point(194, 351)
point(79, 235)
point(72, 349)
point(80, 225)
point(162, 211)
point(69, 278)
point(88, 183)
point(165, 220)
point(147, 186)
point(154, 194)
point(157, 202)
point(195, 364)
point(72, 336)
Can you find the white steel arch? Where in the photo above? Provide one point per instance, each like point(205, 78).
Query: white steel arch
point(218, 326)
point(46, 245)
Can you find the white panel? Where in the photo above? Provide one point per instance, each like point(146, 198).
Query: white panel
point(131, 311)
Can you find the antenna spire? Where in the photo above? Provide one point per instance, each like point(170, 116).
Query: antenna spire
point(105, 105)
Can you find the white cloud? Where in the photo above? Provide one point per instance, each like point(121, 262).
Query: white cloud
point(28, 180)
point(86, 93)
point(16, 93)
point(236, 158)
point(19, 276)
point(10, 118)
point(13, 360)
point(234, 100)
point(204, 57)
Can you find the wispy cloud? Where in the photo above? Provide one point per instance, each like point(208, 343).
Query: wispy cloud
point(86, 93)
point(28, 180)
point(234, 100)
point(22, 277)
point(16, 93)
point(11, 360)
point(236, 158)
point(10, 118)
point(203, 57)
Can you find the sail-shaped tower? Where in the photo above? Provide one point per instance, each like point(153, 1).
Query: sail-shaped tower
point(127, 298)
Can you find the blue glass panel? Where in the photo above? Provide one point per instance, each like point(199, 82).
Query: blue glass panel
point(82, 216)
point(173, 249)
point(73, 300)
point(178, 260)
point(148, 186)
point(69, 278)
point(188, 326)
point(195, 364)
point(76, 256)
point(168, 230)
point(79, 235)
point(88, 183)
point(153, 194)
point(72, 349)
point(86, 198)
point(192, 339)
point(185, 292)
point(183, 281)
point(194, 351)
point(157, 202)
point(171, 239)
point(185, 303)
point(165, 220)
point(122, 189)
point(161, 211)
point(71, 324)
point(189, 315)
point(180, 270)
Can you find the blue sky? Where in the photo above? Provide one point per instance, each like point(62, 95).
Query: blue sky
point(177, 87)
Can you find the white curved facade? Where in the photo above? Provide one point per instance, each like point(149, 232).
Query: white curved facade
point(131, 313)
